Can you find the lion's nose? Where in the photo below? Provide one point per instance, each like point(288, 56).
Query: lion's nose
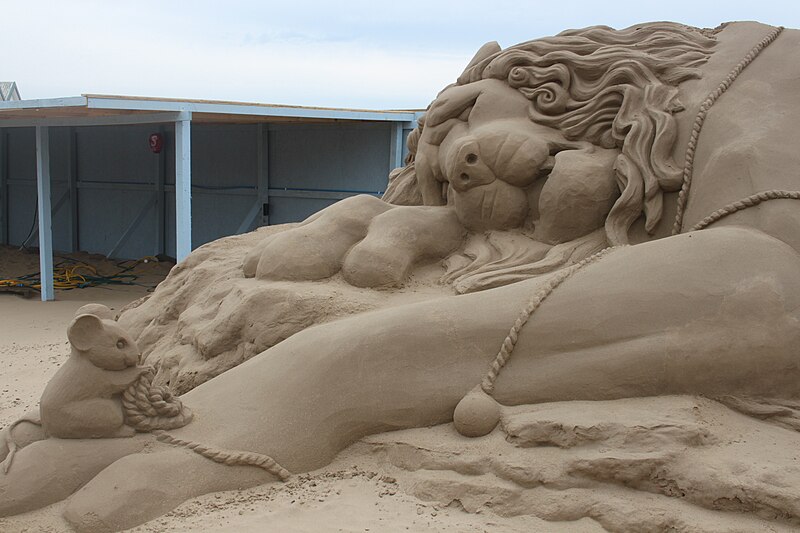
point(469, 169)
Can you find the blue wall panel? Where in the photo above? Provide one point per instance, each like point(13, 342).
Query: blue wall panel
point(337, 157)
point(112, 161)
point(115, 153)
point(224, 155)
point(283, 210)
point(106, 214)
point(217, 214)
point(21, 153)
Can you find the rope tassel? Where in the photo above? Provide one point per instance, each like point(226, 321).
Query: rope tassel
point(478, 413)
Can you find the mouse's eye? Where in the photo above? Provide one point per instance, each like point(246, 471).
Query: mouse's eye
point(121, 344)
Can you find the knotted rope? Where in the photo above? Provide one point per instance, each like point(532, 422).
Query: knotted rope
point(688, 167)
point(149, 407)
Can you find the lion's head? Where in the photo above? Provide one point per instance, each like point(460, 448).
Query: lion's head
point(597, 99)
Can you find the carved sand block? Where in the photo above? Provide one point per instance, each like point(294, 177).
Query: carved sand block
point(541, 189)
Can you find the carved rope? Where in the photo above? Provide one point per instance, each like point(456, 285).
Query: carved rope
point(227, 457)
point(153, 408)
point(533, 304)
point(744, 203)
point(688, 167)
point(148, 407)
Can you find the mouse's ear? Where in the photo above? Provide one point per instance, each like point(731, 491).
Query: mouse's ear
point(83, 331)
point(98, 310)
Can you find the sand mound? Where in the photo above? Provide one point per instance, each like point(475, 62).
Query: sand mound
point(206, 317)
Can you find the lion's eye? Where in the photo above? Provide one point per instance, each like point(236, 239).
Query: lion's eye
point(121, 344)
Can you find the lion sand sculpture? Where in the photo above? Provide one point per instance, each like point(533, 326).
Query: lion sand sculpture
point(607, 215)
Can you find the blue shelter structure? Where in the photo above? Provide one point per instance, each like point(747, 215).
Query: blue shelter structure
point(133, 176)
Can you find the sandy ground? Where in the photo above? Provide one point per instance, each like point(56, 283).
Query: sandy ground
point(355, 493)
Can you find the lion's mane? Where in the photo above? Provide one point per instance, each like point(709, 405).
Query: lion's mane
point(613, 88)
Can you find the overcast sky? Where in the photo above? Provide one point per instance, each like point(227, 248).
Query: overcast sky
point(365, 54)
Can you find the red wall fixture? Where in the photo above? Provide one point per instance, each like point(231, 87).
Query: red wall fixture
point(156, 141)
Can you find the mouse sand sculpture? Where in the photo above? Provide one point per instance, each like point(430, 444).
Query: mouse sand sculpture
point(100, 392)
point(614, 208)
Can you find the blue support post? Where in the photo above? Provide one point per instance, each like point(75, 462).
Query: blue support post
point(45, 222)
point(183, 189)
point(396, 146)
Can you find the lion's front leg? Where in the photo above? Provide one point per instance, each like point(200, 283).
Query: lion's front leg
point(397, 240)
point(315, 249)
point(375, 244)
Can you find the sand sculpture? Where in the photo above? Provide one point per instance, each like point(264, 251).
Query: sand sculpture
point(597, 216)
point(100, 392)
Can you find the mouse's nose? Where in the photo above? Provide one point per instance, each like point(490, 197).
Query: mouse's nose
point(469, 168)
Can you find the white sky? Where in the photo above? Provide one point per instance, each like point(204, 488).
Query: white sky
point(341, 53)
